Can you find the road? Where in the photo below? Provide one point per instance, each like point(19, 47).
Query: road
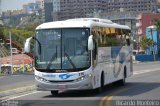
point(14, 81)
point(139, 90)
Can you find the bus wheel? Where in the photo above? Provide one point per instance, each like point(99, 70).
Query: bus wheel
point(100, 89)
point(54, 93)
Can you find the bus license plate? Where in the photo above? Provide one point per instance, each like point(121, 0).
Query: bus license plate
point(62, 87)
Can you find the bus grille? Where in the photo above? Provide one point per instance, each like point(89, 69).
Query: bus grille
point(60, 81)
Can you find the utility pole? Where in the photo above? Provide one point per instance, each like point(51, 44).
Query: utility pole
point(23, 59)
point(153, 44)
point(0, 8)
point(11, 62)
point(0, 64)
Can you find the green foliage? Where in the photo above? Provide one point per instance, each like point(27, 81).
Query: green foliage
point(157, 23)
point(22, 33)
point(1, 31)
point(19, 35)
point(146, 42)
point(1, 74)
point(32, 27)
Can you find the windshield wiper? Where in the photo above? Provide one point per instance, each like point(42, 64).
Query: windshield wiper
point(53, 57)
point(70, 60)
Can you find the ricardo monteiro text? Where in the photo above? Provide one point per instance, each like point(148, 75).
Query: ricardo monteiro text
point(137, 103)
point(148, 103)
point(125, 103)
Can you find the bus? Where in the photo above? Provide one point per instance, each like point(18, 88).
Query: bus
point(80, 54)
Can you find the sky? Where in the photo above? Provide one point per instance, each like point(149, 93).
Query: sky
point(13, 4)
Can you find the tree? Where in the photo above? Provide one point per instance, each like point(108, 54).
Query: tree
point(146, 42)
point(1, 31)
point(157, 23)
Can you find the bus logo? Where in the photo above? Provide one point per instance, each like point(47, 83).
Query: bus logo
point(65, 76)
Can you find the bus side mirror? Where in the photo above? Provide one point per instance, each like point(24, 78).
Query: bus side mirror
point(90, 42)
point(27, 45)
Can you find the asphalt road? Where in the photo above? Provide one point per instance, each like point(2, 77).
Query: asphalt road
point(142, 89)
point(14, 81)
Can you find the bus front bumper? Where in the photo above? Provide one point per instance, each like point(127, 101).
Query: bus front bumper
point(63, 86)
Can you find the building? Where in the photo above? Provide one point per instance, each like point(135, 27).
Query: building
point(77, 8)
point(31, 8)
point(132, 5)
point(40, 3)
point(145, 20)
point(50, 9)
point(154, 34)
point(54, 10)
point(91, 8)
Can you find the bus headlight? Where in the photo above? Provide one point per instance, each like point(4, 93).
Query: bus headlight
point(83, 77)
point(40, 78)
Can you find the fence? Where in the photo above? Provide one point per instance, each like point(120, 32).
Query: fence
point(144, 57)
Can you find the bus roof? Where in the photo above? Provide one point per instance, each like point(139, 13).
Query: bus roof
point(81, 22)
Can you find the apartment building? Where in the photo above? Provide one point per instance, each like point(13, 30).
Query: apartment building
point(30, 8)
point(54, 10)
point(50, 9)
point(40, 3)
point(90, 8)
point(132, 5)
point(77, 8)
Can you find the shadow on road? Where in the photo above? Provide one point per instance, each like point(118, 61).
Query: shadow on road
point(130, 89)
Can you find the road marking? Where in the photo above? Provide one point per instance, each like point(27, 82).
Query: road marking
point(18, 96)
point(109, 98)
point(101, 102)
point(15, 88)
point(145, 71)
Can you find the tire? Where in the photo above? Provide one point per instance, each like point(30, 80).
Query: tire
point(54, 93)
point(122, 82)
point(100, 89)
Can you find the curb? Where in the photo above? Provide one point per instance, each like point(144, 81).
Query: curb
point(17, 90)
point(147, 62)
point(136, 62)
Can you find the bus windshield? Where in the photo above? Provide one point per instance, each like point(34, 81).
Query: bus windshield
point(62, 49)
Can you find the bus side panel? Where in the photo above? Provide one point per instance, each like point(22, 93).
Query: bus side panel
point(121, 57)
point(105, 64)
point(129, 62)
point(111, 61)
point(118, 56)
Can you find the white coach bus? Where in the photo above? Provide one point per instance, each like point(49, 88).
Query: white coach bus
point(80, 54)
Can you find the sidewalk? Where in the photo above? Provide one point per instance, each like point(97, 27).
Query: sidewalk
point(144, 62)
point(13, 84)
